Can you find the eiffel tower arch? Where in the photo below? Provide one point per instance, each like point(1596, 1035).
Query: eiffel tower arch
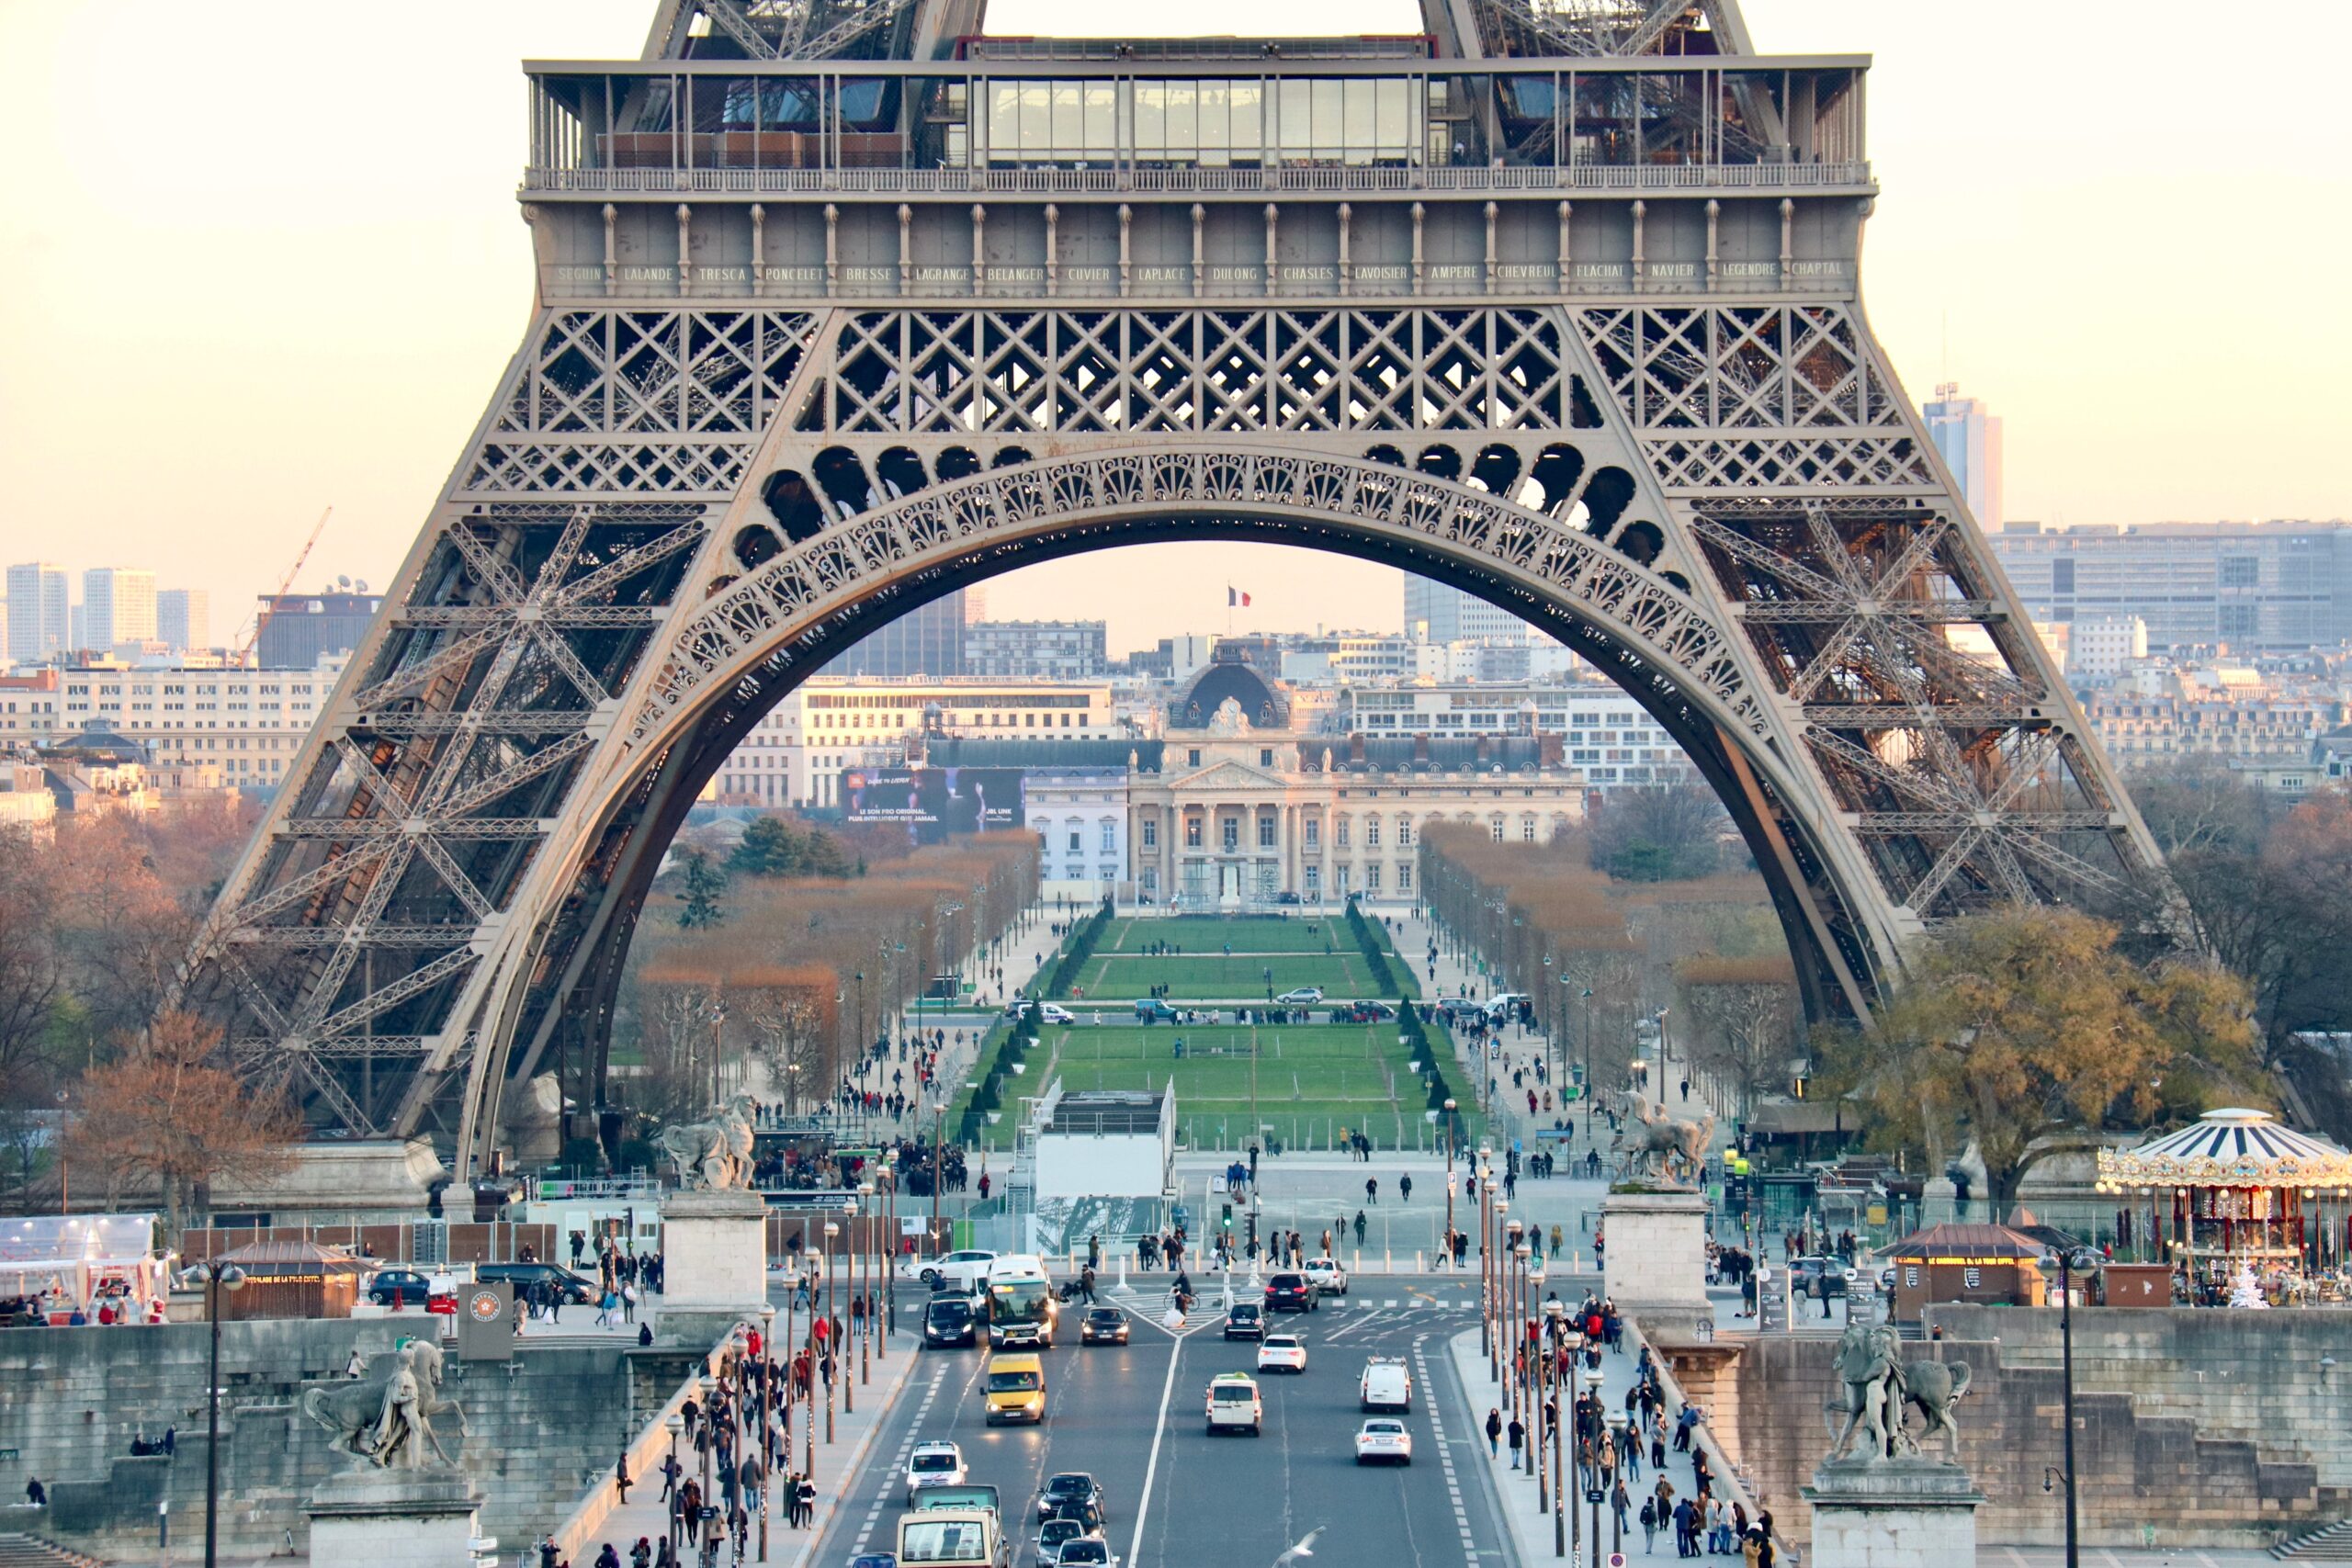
point(839, 306)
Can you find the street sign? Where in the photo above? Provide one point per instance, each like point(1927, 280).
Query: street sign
point(1592, 1494)
point(1616, 1560)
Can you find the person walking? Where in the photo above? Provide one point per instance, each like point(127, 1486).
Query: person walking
point(621, 1478)
point(1495, 1431)
point(1372, 1190)
point(1405, 1189)
point(1649, 1526)
point(1517, 1431)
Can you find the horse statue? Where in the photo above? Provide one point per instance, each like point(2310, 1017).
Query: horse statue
point(1932, 1388)
point(714, 1156)
point(1871, 1400)
point(387, 1419)
point(1662, 1142)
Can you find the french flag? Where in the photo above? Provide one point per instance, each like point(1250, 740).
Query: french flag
point(1235, 598)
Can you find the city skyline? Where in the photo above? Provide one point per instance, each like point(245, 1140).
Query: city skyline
point(349, 294)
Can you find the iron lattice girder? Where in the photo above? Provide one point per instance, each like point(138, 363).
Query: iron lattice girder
point(343, 827)
point(523, 724)
point(380, 935)
point(1930, 612)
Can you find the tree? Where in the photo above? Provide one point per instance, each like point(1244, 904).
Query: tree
point(701, 883)
point(2022, 1025)
point(32, 979)
point(1746, 1014)
point(166, 1114)
point(1657, 833)
point(773, 846)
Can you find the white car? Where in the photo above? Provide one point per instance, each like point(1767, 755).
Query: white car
point(1047, 1012)
point(958, 1270)
point(1326, 1275)
point(1281, 1353)
point(1384, 1440)
point(1303, 997)
point(936, 1464)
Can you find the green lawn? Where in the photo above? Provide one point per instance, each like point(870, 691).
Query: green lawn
point(1342, 975)
point(1242, 933)
point(1314, 1081)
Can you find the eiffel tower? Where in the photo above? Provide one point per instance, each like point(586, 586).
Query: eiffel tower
point(841, 304)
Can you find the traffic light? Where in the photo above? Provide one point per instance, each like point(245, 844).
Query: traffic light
point(1227, 1223)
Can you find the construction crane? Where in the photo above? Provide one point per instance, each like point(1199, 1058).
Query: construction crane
point(261, 617)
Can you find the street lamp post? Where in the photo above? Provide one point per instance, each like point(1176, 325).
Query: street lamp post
point(1617, 1425)
point(215, 1277)
point(1448, 1243)
point(1489, 1221)
point(839, 1381)
point(1529, 1275)
point(1592, 1482)
point(767, 1436)
point(1588, 1096)
point(881, 1346)
point(673, 1424)
point(1515, 1354)
point(2067, 1265)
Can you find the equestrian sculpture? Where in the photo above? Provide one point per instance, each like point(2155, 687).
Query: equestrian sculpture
point(387, 1419)
point(1664, 1147)
point(714, 1156)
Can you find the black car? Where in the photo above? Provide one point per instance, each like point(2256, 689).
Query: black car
point(399, 1288)
point(525, 1276)
point(1103, 1325)
point(1814, 1278)
point(1290, 1292)
point(1086, 1511)
point(1068, 1491)
point(951, 1320)
point(1245, 1320)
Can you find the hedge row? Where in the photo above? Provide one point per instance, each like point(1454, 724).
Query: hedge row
point(989, 1093)
point(1080, 949)
point(1433, 1050)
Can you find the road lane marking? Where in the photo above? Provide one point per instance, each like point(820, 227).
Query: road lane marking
point(1150, 1469)
point(1444, 1449)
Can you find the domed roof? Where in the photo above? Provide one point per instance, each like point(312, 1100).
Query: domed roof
point(2234, 1147)
point(1232, 673)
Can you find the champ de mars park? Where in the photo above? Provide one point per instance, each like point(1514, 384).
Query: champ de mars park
point(700, 1046)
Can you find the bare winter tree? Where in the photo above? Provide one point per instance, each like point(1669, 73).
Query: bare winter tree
point(1744, 1011)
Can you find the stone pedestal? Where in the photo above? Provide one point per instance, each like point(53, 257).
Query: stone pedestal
point(1656, 1262)
point(395, 1518)
point(1901, 1513)
point(1939, 1201)
point(714, 1265)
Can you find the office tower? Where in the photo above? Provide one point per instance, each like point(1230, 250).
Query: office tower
point(1969, 438)
point(37, 611)
point(184, 619)
point(119, 606)
point(1437, 613)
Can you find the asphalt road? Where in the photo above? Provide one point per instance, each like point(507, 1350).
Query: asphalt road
point(1132, 1416)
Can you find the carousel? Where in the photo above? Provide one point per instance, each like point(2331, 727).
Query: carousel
point(2235, 1192)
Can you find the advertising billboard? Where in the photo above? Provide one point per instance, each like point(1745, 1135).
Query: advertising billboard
point(935, 802)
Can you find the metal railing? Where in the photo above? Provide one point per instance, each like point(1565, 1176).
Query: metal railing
point(544, 180)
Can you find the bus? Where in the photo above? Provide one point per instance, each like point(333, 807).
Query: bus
point(953, 1538)
point(1021, 1307)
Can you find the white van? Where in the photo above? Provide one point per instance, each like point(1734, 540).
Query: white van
point(1388, 1384)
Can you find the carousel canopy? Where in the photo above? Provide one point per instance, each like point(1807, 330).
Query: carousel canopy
point(2228, 1148)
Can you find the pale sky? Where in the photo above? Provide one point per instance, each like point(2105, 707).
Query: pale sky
point(257, 259)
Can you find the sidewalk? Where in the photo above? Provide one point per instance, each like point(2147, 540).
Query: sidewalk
point(600, 1518)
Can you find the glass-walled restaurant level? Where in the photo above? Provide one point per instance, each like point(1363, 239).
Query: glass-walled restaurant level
point(1792, 125)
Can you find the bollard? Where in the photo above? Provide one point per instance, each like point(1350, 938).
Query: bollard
point(1417, 1261)
point(1123, 1272)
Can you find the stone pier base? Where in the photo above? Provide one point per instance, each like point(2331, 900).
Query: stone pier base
point(1656, 1263)
point(714, 1265)
point(1901, 1513)
point(395, 1518)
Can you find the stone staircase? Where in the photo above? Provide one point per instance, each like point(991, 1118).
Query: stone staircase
point(2330, 1543)
point(18, 1550)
